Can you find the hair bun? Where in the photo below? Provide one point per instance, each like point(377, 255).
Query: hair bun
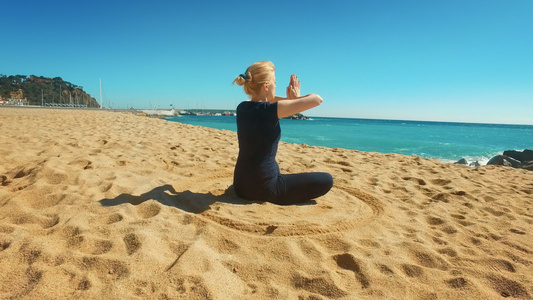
point(263, 71)
point(248, 75)
point(239, 80)
point(243, 78)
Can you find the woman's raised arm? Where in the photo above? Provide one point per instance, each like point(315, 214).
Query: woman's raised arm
point(290, 107)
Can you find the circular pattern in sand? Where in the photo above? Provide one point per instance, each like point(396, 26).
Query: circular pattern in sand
point(343, 208)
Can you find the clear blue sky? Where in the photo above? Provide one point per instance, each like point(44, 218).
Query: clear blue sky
point(451, 60)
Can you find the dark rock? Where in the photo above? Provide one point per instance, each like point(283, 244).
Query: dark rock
point(528, 165)
point(297, 117)
point(499, 160)
point(474, 164)
point(462, 161)
point(526, 155)
point(502, 160)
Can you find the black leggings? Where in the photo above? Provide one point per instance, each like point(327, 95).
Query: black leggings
point(285, 189)
point(298, 188)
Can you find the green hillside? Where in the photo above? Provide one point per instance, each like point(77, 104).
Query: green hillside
point(39, 89)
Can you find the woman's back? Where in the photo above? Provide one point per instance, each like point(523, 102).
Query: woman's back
point(258, 132)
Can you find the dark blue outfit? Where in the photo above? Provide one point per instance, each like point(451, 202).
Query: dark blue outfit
point(257, 175)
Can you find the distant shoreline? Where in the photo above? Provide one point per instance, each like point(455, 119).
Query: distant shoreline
point(205, 111)
point(213, 111)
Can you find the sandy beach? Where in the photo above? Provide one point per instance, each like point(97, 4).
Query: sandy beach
point(110, 205)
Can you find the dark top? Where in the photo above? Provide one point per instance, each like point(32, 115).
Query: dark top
point(257, 175)
point(258, 132)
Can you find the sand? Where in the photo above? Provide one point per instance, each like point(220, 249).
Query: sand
point(110, 205)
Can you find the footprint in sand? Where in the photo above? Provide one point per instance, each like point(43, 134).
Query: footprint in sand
point(456, 283)
point(507, 287)
point(4, 245)
point(104, 268)
point(114, 218)
point(498, 265)
point(385, 270)
point(45, 222)
point(148, 210)
point(416, 180)
point(132, 242)
point(76, 239)
point(435, 220)
point(322, 285)
point(348, 262)
point(82, 164)
point(80, 283)
point(21, 177)
point(412, 270)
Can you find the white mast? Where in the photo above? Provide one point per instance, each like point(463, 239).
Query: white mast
point(101, 102)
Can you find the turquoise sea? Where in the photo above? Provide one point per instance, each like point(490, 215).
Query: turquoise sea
point(445, 141)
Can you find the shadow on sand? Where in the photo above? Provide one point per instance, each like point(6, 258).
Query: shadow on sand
point(187, 201)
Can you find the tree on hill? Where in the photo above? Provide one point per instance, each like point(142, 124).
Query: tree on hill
point(52, 90)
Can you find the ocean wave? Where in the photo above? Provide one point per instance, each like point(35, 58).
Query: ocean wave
point(482, 159)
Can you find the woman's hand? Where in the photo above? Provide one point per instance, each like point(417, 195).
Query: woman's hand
point(293, 90)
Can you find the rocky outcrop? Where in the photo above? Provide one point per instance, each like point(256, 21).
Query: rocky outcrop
point(474, 164)
point(515, 159)
point(509, 158)
point(462, 161)
point(528, 165)
point(526, 155)
point(297, 117)
point(502, 160)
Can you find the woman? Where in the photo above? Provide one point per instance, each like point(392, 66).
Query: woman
point(257, 175)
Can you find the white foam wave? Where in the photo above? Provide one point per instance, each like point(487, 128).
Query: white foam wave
point(482, 160)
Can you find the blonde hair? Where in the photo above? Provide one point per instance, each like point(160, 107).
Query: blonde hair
point(255, 76)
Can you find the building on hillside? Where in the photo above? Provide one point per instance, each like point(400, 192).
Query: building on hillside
point(18, 102)
point(17, 98)
point(17, 94)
